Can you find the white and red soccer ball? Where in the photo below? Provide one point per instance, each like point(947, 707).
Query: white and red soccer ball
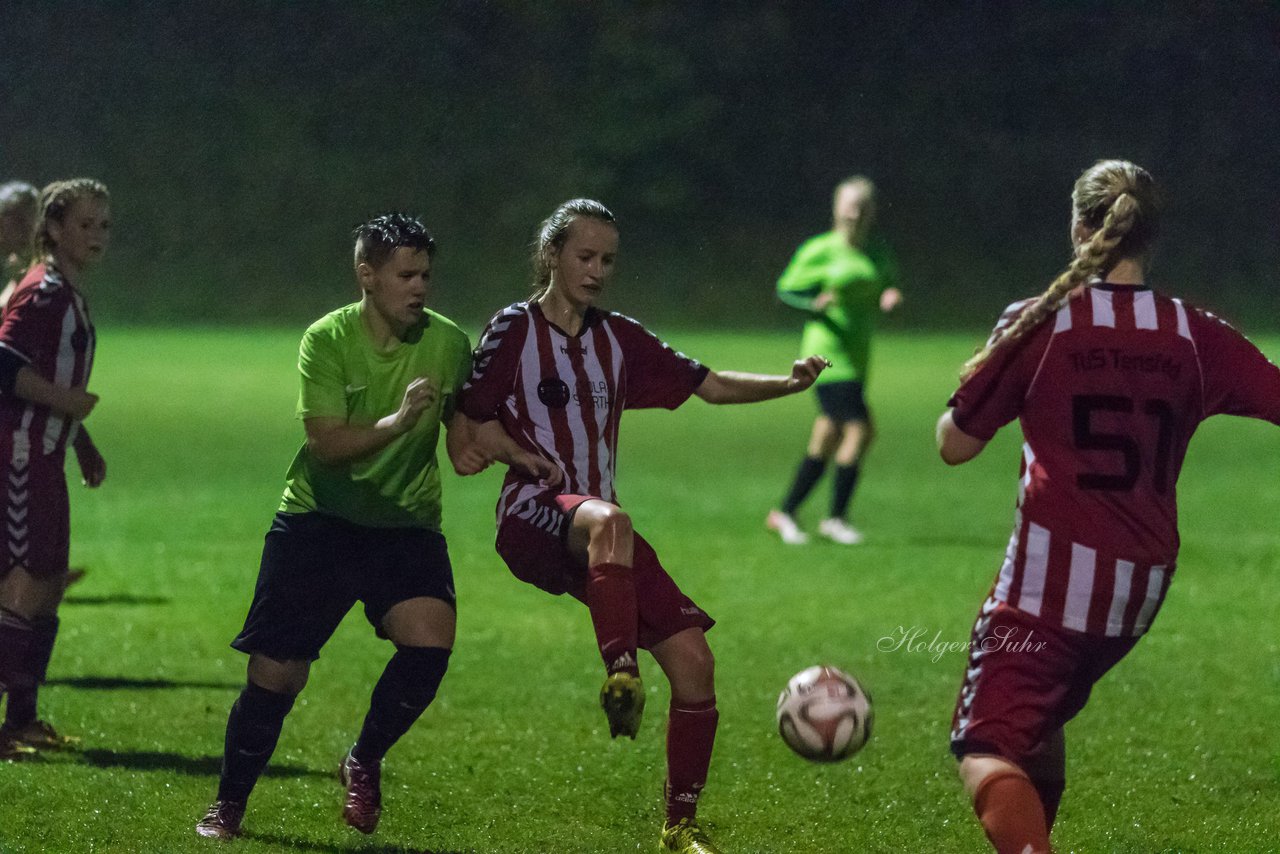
point(824, 714)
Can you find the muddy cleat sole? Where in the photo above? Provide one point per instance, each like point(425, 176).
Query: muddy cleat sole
point(14, 751)
point(622, 699)
point(38, 735)
point(222, 820)
point(685, 837)
point(362, 806)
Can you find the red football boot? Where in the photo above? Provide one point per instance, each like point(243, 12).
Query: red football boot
point(363, 805)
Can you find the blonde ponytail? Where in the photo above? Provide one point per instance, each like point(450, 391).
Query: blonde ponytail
point(1123, 197)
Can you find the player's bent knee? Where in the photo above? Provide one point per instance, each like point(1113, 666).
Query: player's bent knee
point(288, 676)
point(423, 621)
point(976, 767)
point(612, 524)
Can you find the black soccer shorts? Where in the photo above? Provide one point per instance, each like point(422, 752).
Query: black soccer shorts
point(315, 567)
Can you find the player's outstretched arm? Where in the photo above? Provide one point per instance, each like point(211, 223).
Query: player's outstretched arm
point(334, 441)
point(955, 445)
point(738, 387)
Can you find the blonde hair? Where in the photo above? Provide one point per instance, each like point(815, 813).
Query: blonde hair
point(854, 181)
point(55, 200)
point(554, 231)
point(1119, 202)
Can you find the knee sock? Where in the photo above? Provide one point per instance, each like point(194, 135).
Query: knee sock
point(691, 733)
point(22, 700)
point(253, 728)
point(811, 468)
point(407, 686)
point(17, 635)
point(1050, 792)
point(846, 481)
point(611, 597)
point(1009, 808)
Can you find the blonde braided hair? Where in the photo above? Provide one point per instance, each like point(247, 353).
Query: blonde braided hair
point(1118, 200)
point(55, 201)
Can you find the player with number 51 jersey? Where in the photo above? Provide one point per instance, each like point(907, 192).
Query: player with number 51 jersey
point(1109, 381)
point(1108, 391)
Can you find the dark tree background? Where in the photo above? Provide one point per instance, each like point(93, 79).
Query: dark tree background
point(241, 140)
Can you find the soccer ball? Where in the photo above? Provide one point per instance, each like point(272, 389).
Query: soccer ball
point(824, 714)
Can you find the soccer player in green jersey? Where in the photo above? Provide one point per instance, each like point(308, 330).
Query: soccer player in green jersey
point(842, 279)
point(360, 519)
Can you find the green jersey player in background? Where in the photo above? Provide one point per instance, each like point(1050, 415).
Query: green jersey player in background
point(360, 520)
point(843, 279)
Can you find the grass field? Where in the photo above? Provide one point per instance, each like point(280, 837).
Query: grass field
point(1177, 751)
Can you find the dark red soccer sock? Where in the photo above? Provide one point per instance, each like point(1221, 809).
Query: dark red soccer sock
point(611, 597)
point(691, 734)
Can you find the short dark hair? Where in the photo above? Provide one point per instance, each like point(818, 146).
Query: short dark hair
point(378, 238)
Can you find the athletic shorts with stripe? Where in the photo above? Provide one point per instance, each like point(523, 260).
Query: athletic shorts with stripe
point(37, 515)
point(532, 540)
point(316, 566)
point(1024, 680)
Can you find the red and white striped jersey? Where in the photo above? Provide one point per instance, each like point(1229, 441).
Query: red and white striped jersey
point(1108, 391)
point(562, 395)
point(46, 323)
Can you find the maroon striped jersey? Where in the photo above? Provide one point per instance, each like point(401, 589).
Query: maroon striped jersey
point(562, 395)
point(1108, 391)
point(46, 323)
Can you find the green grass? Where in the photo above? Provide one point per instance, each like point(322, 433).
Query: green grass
point(1177, 751)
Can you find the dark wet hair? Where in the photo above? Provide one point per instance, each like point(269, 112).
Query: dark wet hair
point(381, 236)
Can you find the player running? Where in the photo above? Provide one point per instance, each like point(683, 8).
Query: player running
point(46, 354)
point(360, 520)
point(557, 373)
point(841, 279)
point(1109, 380)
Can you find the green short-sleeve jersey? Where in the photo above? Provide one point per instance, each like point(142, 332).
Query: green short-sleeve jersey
point(857, 277)
point(345, 376)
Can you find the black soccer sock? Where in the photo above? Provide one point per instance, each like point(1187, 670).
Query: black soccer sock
point(15, 652)
point(846, 481)
point(253, 728)
point(811, 468)
point(407, 687)
point(23, 694)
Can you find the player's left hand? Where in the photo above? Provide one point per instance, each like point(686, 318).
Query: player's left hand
point(538, 468)
point(470, 460)
point(93, 468)
point(805, 371)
